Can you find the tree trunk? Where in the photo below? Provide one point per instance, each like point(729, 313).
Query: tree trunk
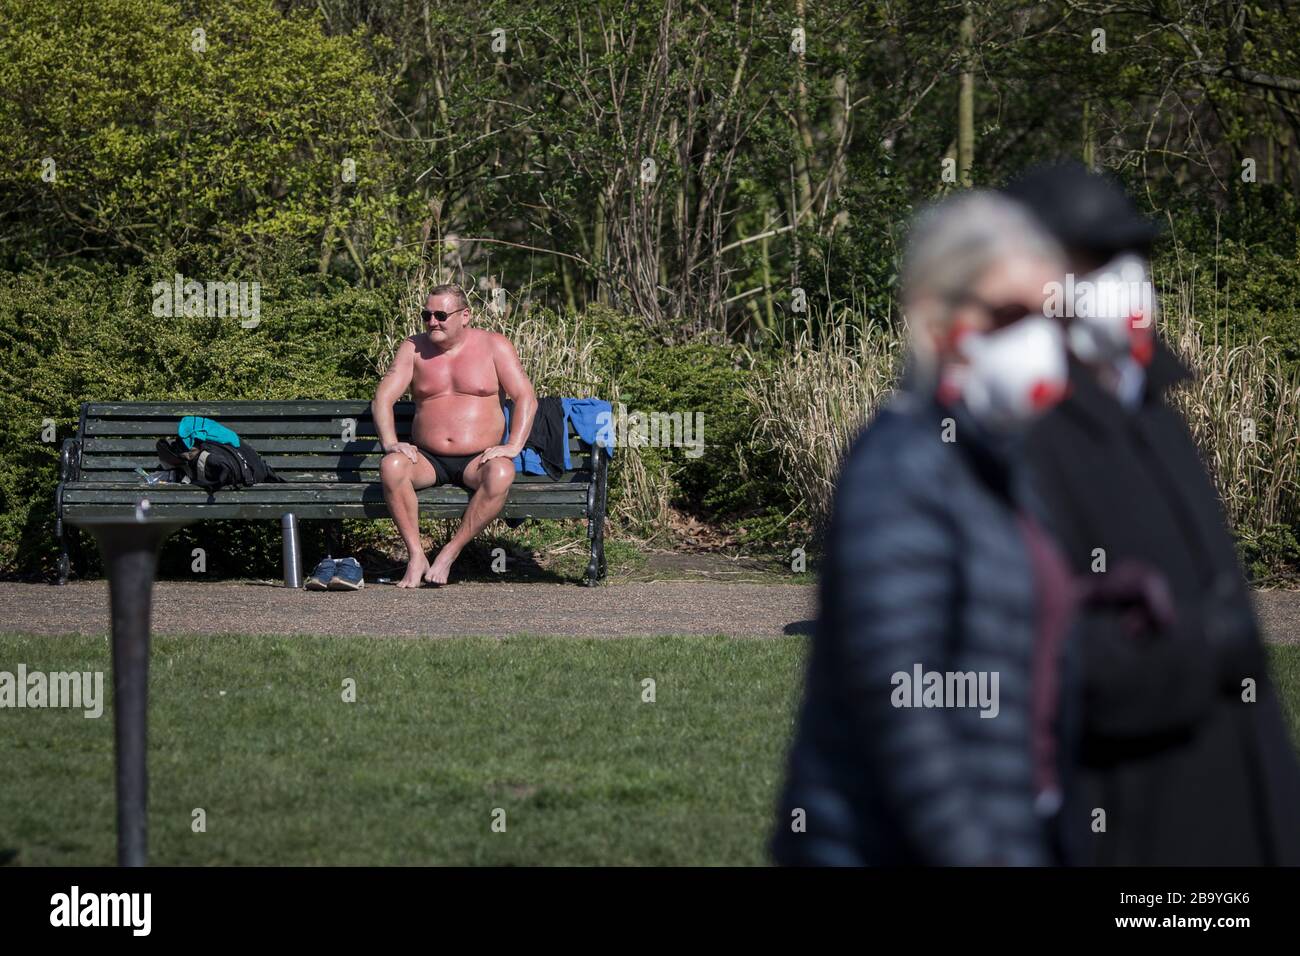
point(804, 174)
point(1089, 144)
point(966, 101)
point(598, 253)
point(327, 241)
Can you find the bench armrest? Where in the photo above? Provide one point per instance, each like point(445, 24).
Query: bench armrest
point(597, 491)
point(70, 460)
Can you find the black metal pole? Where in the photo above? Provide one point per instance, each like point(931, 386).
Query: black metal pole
point(130, 552)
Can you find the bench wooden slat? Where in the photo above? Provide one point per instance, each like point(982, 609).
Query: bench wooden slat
point(224, 510)
point(348, 408)
point(162, 428)
point(266, 446)
point(346, 477)
point(310, 492)
point(73, 490)
point(336, 462)
point(280, 435)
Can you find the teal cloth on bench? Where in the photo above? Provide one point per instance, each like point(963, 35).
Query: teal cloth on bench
point(196, 428)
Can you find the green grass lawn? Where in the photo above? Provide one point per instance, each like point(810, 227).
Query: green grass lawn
point(553, 730)
point(1286, 672)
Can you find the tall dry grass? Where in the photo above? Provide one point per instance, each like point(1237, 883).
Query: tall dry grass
point(822, 387)
point(1244, 412)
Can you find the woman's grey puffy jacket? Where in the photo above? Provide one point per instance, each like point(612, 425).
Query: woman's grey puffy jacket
point(924, 564)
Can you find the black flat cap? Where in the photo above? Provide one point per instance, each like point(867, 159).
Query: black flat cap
point(1083, 209)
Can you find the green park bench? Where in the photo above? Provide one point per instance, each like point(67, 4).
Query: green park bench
point(328, 455)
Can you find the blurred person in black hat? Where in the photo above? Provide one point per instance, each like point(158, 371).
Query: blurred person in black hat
point(1179, 753)
point(1108, 287)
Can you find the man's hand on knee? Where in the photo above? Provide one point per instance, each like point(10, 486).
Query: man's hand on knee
point(496, 451)
point(403, 448)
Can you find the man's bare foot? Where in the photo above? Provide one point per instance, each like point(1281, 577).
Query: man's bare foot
point(441, 567)
point(415, 569)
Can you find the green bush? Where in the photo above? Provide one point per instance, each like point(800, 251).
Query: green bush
point(1238, 268)
point(725, 481)
point(235, 145)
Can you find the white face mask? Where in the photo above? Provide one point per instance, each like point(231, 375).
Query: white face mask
point(1113, 312)
point(1013, 375)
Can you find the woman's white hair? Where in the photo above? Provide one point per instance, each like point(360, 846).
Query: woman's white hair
point(950, 245)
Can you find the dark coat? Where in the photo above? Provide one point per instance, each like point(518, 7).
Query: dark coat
point(1185, 770)
point(924, 563)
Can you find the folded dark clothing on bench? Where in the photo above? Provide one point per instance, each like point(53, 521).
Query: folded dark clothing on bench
point(549, 438)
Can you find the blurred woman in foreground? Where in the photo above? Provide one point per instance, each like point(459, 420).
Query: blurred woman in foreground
point(924, 735)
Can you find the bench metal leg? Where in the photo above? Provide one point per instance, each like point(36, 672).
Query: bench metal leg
point(59, 532)
point(596, 519)
point(64, 560)
point(596, 563)
point(290, 551)
point(593, 563)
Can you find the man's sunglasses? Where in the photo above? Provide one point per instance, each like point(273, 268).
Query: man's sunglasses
point(426, 314)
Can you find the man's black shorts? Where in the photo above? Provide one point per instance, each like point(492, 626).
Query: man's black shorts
point(450, 469)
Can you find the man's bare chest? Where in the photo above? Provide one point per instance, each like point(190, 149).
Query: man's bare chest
point(466, 373)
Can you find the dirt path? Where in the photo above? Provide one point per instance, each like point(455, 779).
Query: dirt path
point(1279, 615)
point(619, 610)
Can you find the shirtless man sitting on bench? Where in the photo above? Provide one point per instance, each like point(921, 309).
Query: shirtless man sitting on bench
point(457, 376)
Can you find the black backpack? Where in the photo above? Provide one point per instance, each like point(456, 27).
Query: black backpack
point(212, 465)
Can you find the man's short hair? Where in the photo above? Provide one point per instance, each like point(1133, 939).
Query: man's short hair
point(450, 288)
